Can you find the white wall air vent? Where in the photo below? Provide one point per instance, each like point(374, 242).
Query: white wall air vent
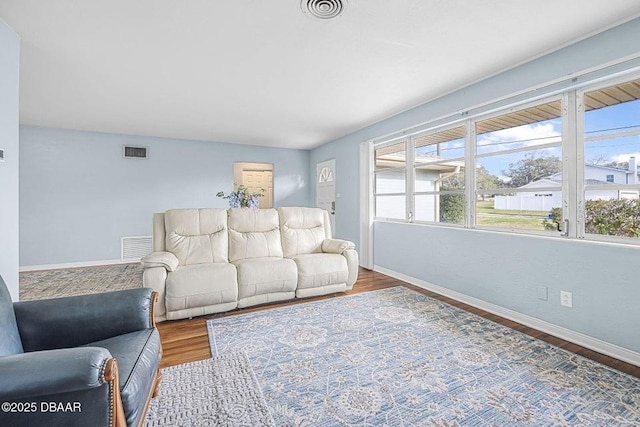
point(132, 152)
point(1, 155)
point(134, 248)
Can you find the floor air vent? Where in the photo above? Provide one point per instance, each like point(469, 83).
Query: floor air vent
point(131, 152)
point(134, 248)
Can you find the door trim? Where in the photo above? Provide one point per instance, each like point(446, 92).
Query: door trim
point(366, 205)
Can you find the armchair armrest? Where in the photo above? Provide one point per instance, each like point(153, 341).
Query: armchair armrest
point(75, 321)
point(84, 381)
point(160, 259)
point(52, 372)
point(336, 246)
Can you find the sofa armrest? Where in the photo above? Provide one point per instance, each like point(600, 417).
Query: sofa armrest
point(156, 278)
point(160, 259)
point(52, 372)
point(353, 265)
point(79, 320)
point(336, 246)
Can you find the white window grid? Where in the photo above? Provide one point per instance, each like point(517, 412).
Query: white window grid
point(573, 185)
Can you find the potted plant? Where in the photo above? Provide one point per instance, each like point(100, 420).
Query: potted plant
point(242, 198)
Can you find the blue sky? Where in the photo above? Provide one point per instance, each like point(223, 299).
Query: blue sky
point(623, 117)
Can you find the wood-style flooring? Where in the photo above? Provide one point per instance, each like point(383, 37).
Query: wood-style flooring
point(187, 340)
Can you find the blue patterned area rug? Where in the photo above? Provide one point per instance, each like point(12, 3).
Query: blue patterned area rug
point(396, 357)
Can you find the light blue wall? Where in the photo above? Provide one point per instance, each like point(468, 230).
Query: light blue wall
point(618, 42)
point(9, 71)
point(506, 269)
point(79, 196)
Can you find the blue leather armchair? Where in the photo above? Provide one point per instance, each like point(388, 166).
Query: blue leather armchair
point(89, 360)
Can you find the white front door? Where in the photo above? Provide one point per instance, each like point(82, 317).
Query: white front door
point(326, 190)
point(256, 181)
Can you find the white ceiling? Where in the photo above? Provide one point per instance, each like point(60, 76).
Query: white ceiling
point(262, 72)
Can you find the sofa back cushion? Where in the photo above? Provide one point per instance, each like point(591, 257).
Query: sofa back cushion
point(197, 236)
point(253, 233)
point(159, 233)
point(303, 230)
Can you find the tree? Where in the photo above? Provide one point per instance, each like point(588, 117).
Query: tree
point(484, 179)
point(618, 165)
point(532, 168)
point(603, 160)
point(453, 182)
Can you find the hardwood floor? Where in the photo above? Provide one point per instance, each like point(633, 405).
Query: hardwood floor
point(187, 340)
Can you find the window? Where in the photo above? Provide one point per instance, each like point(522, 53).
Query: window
point(571, 160)
point(611, 153)
point(390, 177)
point(326, 175)
point(439, 176)
point(518, 160)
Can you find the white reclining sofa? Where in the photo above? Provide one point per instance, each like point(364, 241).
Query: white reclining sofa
point(212, 260)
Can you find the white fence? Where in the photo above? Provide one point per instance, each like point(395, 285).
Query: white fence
point(529, 202)
point(553, 199)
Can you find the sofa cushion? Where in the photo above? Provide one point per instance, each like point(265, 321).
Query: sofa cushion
point(258, 276)
point(303, 230)
point(201, 285)
point(138, 356)
point(254, 233)
point(316, 270)
point(197, 236)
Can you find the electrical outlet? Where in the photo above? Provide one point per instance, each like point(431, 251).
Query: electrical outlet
point(566, 299)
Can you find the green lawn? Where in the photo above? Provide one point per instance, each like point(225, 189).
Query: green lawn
point(510, 222)
point(486, 206)
point(529, 220)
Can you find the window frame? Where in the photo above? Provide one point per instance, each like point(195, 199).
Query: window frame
point(375, 171)
point(581, 141)
point(573, 151)
point(495, 191)
point(432, 131)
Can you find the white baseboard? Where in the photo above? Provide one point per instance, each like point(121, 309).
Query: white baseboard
point(595, 344)
point(26, 268)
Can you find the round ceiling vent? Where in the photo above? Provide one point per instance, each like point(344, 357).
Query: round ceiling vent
point(323, 9)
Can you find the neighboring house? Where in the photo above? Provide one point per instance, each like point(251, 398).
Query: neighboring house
point(430, 172)
point(548, 197)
